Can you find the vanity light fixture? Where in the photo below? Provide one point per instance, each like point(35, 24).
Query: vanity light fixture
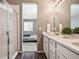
point(57, 3)
point(61, 1)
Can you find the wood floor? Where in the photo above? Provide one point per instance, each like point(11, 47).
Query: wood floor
point(31, 55)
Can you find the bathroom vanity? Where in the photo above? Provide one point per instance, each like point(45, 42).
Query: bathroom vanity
point(58, 47)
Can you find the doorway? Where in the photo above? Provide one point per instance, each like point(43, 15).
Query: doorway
point(29, 27)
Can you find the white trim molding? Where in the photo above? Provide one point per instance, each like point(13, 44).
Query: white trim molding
point(14, 56)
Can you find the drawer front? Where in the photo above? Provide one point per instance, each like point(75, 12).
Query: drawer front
point(66, 52)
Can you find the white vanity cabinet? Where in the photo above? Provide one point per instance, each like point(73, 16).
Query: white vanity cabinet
point(52, 49)
point(60, 56)
point(64, 53)
point(45, 46)
point(49, 48)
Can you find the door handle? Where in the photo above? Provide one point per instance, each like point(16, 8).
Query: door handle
point(7, 33)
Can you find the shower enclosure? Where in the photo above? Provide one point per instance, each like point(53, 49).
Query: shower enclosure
point(8, 31)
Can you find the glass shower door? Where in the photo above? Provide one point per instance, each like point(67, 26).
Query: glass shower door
point(12, 27)
point(3, 32)
point(8, 31)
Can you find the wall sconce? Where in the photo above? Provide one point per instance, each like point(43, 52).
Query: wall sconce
point(57, 3)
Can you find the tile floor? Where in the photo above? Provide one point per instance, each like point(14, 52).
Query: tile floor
point(29, 46)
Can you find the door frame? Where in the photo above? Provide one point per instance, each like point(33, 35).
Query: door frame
point(21, 25)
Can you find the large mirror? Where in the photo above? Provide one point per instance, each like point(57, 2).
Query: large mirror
point(74, 15)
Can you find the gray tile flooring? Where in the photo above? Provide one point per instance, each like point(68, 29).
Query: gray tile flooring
point(29, 46)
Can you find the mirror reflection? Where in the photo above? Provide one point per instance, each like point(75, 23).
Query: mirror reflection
point(74, 15)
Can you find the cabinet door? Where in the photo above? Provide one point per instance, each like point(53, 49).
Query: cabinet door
point(52, 49)
point(66, 52)
point(45, 45)
point(52, 55)
point(3, 36)
point(60, 56)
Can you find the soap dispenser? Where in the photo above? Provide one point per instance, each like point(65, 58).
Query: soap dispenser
point(48, 28)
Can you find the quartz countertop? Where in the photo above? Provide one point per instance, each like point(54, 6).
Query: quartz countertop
point(66, 42)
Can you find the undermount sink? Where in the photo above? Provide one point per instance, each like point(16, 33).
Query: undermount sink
point(75, 43)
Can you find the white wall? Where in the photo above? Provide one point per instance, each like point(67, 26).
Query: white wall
point(29, 11)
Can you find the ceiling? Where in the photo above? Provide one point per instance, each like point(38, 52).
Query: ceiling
point(15, 2)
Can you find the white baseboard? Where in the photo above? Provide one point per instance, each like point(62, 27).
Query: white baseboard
point(40, 51)
point(32, 51)
point(14, 56)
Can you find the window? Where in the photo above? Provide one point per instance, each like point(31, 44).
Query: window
point(28, 26)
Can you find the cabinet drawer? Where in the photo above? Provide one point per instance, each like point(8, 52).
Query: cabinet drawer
point(66, 52)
